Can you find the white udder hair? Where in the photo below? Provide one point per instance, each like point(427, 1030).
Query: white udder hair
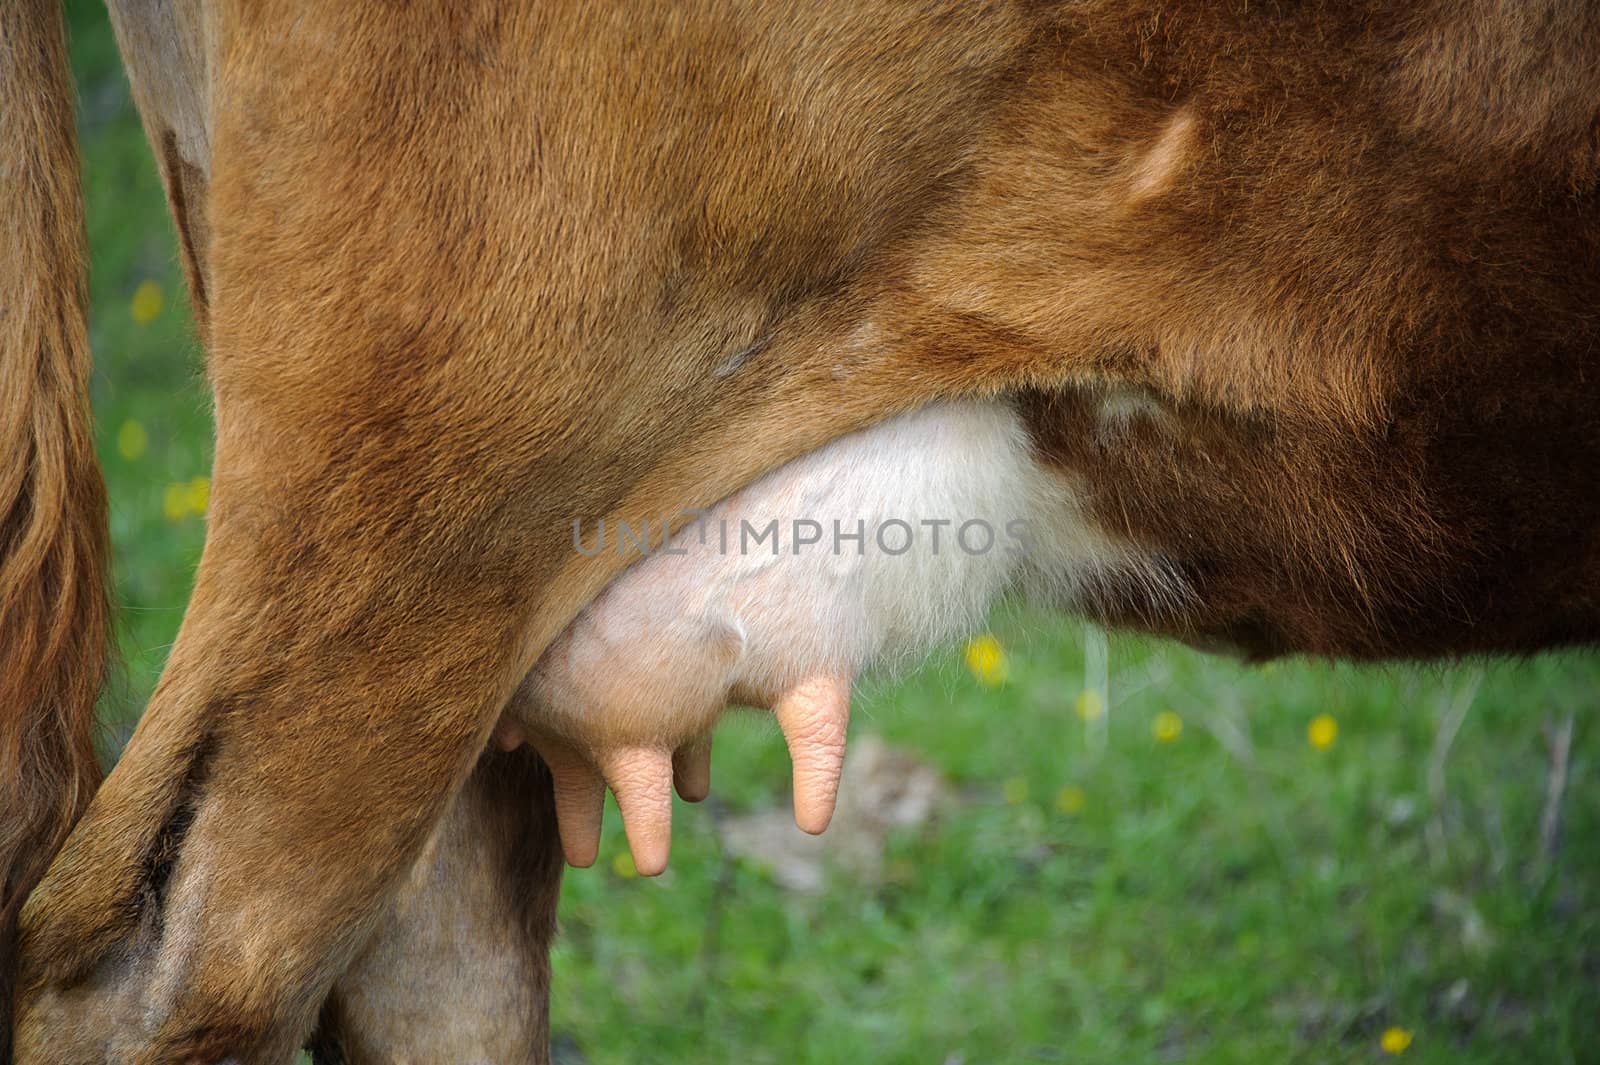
point(863, 553)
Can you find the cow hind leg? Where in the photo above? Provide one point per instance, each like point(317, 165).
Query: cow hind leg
point(310, 729)
point(459, 968)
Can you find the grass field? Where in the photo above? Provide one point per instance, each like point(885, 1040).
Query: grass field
point(1205, 863)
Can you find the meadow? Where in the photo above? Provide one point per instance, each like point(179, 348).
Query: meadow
point(1129, 853)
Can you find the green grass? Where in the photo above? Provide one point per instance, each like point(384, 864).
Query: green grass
point(146, 373)
point(1237, 895)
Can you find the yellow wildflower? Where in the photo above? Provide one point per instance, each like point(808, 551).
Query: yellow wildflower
point(132, 440)
point(623, 865)
point(1395, 1040)
point(1167, 727)
point(1090, 705)
point(1015, 790)
point(146, 302)
point(184, 498)
point(175, 502)
point(1071, 799)
point(199, 495)
point(987, 660)
point(1322, 731)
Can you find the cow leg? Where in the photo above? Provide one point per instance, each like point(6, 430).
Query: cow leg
point(264, 812)
point(459, 969)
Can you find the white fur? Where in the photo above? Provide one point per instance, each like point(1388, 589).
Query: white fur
point(727, 616)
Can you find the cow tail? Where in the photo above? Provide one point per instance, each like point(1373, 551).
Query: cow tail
point(54, 603)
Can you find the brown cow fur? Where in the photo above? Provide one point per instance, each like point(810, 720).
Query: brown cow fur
point(54, 617)
point(468, 275)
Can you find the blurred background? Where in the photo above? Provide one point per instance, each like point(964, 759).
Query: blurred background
point(1051, 848)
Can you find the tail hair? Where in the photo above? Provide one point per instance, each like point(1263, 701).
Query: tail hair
point(54, 605)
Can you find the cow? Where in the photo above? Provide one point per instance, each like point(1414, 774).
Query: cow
point(1273, 322)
